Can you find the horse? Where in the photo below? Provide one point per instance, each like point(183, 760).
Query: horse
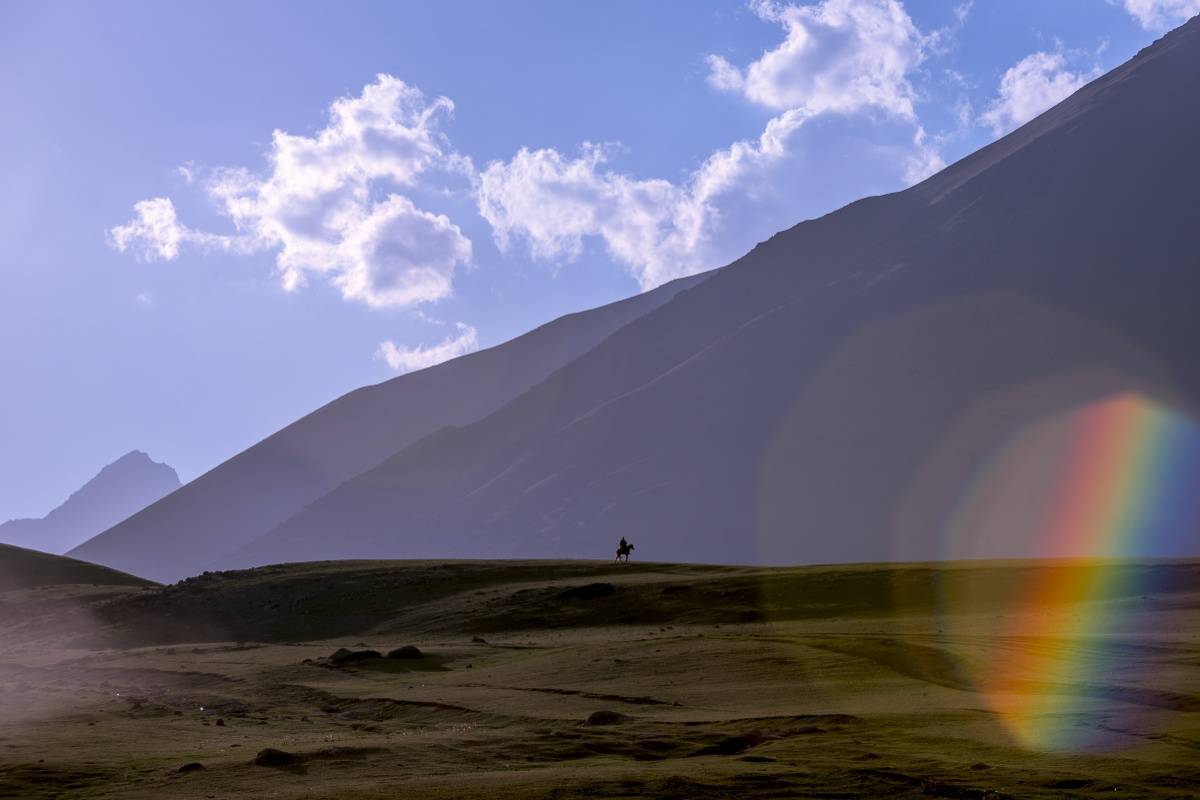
point(623, 552)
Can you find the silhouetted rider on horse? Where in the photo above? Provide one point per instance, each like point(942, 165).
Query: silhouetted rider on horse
point(623, 550)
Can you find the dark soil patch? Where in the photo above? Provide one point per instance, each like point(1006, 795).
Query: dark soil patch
point(589, 591)
point(278, 759)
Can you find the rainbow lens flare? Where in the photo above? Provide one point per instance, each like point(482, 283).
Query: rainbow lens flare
point(1124, 485)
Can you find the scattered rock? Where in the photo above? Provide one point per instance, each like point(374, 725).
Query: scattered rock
point(979, 766)
point(342, 656)
point(193, 766)
point(408, 651)
point(220, 723)
point(478, 640)
point(605, 717)
point(279, 759)
point(676, 588)
point(589, 591)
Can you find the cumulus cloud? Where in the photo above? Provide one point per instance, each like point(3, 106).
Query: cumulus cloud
point(407, 359)
point(838, 57)
point(1159, 14)
point(552, 202)
point(331, 204)
point(1029, 87)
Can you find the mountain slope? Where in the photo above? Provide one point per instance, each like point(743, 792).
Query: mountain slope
point(833, 395)
point(122, 488)
point(245, 496)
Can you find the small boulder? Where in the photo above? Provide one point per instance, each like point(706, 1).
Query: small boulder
point(408, 651)
point(342, 656)
point(193, 766)
point(605, 717)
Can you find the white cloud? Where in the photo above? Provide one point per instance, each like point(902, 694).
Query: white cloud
point(553, 202)
point(838, 57)
point(318, 203)
point(1029, 87)
point(407, 359)
point(155, 233)
point(400, 255)
point(1159, 14)
point(925, 160)
point(724, 76)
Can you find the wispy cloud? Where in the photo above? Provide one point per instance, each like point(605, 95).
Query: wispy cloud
point(407, 359)
point(155, 233)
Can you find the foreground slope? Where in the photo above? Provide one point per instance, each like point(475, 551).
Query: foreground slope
point(832, 395)
point(244, 497)
point(122, 488)
point(588, 679)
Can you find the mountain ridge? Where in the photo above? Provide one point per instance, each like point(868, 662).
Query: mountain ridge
point(118, 490)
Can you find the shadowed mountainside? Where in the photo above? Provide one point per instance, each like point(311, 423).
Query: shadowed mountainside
point(245, 496)
point(831, 396)
point(122, 488)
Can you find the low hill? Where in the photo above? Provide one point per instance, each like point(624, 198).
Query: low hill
point(31, 569)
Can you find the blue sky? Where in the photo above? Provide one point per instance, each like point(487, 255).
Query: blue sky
point(178, 277)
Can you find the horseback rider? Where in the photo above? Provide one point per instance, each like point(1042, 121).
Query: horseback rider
point(624, 549)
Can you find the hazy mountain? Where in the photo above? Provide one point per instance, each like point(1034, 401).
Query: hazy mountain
point(839, 392)
point(125, 486)
point(245, 496)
